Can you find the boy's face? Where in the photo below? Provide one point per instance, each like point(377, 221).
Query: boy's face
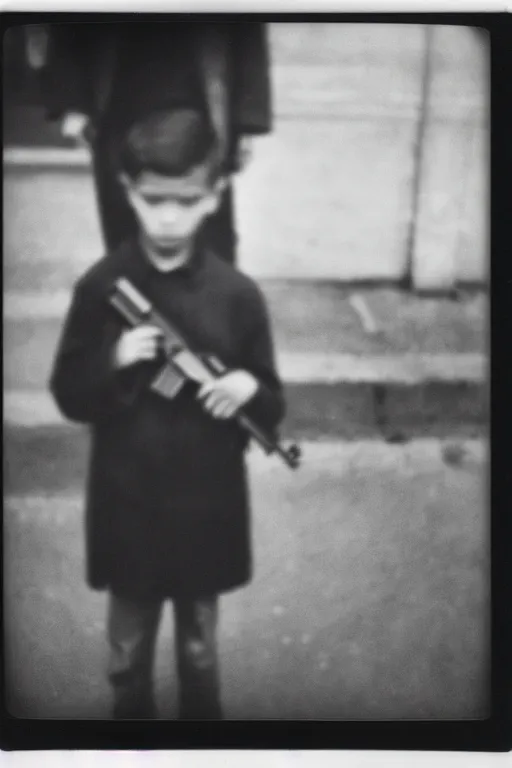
point(171, 210)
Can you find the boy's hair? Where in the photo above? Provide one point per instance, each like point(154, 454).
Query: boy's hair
point(170, 143)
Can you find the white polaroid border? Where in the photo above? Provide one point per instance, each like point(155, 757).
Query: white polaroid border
point(261, 6)
point(255, 759)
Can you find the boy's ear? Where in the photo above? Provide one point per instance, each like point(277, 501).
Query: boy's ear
point(213, 199)
point(220, 185)
point(211, 203)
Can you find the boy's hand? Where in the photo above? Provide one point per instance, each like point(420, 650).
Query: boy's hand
point(225, 396)
point(136, 345)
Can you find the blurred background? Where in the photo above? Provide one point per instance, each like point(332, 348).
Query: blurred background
point(364, 218)
point(383, 128)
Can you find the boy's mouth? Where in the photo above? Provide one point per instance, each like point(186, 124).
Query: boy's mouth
point(168, 244)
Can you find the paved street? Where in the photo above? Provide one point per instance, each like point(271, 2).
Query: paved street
point(369, 601)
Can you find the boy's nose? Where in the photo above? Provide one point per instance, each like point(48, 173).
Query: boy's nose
point(169, 214)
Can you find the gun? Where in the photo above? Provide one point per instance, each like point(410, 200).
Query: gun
point(182, 364)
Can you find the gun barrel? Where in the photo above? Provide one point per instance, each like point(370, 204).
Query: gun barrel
point(129, 292)
point(126, 310)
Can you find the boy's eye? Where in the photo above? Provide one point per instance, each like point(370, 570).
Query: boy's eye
point(157, 201)
point(154, 200)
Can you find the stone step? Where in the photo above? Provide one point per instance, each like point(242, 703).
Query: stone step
point(324, 316)
point(318, 337)
point(348, 386)
point(340, 396)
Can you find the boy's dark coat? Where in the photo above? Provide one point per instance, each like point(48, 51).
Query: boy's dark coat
point(167, 505)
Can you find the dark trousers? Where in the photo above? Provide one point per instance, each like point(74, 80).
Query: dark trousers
point(132, 633)
point(117, 219)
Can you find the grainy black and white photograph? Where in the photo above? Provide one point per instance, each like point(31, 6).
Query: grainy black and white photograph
point(245, 370)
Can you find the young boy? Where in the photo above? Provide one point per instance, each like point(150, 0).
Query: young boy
point(167, 509)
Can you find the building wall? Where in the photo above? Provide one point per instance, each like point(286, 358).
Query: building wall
point(451, 241)
point(378, 158)
point(377, 167)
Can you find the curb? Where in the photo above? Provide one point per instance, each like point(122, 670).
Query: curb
point(406, 369)
point(46, 158)
point(335, 409)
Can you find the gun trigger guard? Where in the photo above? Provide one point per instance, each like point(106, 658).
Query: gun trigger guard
point(172, 350)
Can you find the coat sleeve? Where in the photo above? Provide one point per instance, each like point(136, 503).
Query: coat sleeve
point(63, 79)
point(267, 407)
point(84, 382)
point(251, 95)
